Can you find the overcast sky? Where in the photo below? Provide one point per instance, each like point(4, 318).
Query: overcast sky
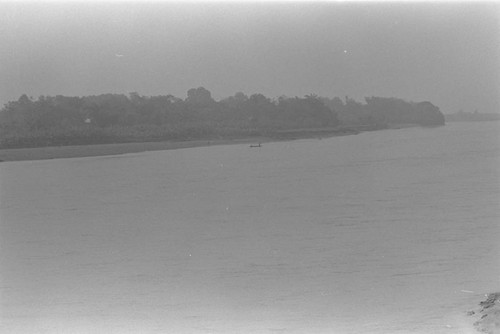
point(446, 53)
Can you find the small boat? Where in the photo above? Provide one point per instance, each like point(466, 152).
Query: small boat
point(256, 145)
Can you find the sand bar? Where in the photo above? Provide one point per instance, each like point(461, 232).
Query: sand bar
point(59, 152)
point(76, 151)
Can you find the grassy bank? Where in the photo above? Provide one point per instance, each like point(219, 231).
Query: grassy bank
point(128, 145)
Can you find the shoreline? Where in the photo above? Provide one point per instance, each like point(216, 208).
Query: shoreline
point(487, 315)
point(94, 150)
point(106, 149)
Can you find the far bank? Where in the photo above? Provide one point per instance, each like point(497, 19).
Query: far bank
point(88, 150)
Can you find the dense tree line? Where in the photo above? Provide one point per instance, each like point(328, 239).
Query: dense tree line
point(63, 120)
point(382, 111)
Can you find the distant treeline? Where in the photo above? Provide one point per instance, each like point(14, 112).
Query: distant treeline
point(108, 118)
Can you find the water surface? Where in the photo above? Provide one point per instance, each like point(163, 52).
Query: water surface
point(391, 231)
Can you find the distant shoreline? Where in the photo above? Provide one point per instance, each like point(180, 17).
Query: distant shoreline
point(472, 117)
point(78, 151)
point(104, 149)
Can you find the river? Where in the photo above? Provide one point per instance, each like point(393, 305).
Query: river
point(393, 231)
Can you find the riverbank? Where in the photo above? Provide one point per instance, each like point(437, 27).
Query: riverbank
point(75, 151)
point(487, 316)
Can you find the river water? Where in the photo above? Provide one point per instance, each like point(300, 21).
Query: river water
point(393, 231)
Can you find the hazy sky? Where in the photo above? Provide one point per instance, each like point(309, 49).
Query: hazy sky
point(446, 53)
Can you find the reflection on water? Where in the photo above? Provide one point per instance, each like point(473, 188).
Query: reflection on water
point(384, 232)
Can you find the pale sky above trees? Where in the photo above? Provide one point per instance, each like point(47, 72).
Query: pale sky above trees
point(446, 53)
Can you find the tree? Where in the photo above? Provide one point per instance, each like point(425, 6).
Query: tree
point(199, 97)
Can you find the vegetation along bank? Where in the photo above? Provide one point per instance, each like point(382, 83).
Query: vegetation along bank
point(117, 118)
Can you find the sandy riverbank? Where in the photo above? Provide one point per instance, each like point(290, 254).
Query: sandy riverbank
point(75, 151)
point(487, 315)
point(59, 152)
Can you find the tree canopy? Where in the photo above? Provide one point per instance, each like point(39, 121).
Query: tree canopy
point(103, 118)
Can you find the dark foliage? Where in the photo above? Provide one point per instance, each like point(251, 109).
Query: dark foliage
point(382, 111)
point(109, 118)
